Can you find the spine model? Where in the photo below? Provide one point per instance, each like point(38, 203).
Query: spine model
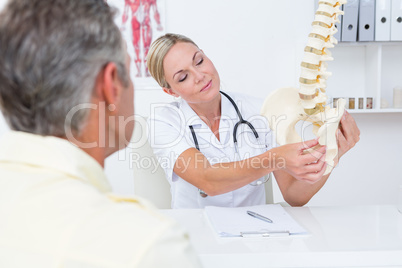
point(316, 54)
point(285, 107)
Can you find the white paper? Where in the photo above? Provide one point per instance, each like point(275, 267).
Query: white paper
point(229, 222)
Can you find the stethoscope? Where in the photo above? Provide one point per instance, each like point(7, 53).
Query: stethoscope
point(241, 121)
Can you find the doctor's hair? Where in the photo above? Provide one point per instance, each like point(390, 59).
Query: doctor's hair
point(51, 52)
point(157, 52)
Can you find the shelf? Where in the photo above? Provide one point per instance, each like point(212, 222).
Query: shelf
point(366, 70)
point(371, 43)
point(373, 111)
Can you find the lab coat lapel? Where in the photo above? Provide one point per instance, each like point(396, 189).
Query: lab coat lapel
point(205, 137)
point(202, 131)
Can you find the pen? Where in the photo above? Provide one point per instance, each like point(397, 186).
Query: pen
point(258, 216)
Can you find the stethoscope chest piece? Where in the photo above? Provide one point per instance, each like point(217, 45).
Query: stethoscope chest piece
point(202, 193)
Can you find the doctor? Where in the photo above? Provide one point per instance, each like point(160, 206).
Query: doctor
point(214, 147)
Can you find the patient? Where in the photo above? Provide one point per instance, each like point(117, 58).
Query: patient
point(66, 94)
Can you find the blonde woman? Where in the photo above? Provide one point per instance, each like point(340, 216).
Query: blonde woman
point(214, 146)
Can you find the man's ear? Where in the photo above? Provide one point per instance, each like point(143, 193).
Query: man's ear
point(170, 92)
point(109, 86)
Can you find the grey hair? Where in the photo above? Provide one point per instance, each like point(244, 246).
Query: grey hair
point(51, 52)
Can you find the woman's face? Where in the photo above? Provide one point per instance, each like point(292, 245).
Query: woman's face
point(190, 74)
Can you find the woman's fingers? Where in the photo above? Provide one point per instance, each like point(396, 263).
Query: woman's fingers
point(342, 142)
point(348, 134)
point(350, 129)
point(315, 167)
point(312, 172)
point(308, 144)
point(308, 164)
point(314, 177)
point(315, 171)
point(313, 154)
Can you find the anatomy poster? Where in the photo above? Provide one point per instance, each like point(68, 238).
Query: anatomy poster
point(141, 22)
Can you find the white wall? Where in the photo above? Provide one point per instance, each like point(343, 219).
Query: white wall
point(257, 46)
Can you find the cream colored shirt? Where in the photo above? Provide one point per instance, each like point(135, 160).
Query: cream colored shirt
point(56, 210)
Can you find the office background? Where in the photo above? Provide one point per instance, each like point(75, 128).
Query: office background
point(257, 46)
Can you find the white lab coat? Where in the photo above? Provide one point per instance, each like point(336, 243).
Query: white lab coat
point(170, 136)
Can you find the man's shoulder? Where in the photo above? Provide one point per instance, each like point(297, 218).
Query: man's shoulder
point(132, 228)
point(88, 224)
point(82, 198)
point(111, 227)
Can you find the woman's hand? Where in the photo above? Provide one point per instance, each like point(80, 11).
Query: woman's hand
point(348, 134)
point(304, 161)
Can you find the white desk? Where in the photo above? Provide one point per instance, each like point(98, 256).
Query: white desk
point(367, 236)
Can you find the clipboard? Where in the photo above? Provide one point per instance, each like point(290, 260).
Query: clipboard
point(265, 234)
point(235, 222)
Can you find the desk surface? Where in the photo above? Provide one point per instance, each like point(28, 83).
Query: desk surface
point(339, 237)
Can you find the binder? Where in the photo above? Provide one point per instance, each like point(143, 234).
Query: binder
point(396, 20)
point(338, 26)
point(350, 20)
point(366, 20)
point(383, 20)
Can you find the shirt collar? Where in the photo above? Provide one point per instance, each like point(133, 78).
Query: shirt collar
point(228, 112)
point(52, 153)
